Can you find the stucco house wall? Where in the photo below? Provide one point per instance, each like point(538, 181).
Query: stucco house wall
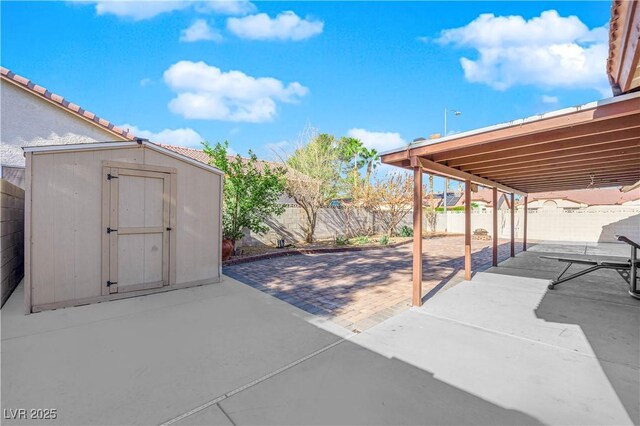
point(559, 203)
point(28, 120)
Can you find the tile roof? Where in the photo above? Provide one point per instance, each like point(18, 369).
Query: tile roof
point(31, 87)
point(590, 197)
point(196, 154)
point(199, 155)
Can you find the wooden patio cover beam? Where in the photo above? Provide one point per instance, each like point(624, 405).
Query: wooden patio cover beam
point(442, 170)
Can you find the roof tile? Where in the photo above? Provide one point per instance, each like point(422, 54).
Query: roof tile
point(39, 89)
point(21, 80)
point(56, 98)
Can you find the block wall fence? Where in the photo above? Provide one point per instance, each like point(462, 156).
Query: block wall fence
point(589, 225)
point(12, 237)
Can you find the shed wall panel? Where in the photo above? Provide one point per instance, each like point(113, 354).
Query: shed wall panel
point(198, 238)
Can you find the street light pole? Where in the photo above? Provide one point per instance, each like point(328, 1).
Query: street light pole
point(445, 123)
point(446, 180)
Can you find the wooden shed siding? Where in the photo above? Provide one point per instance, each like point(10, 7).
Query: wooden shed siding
point(198, 238)
point(66, 254)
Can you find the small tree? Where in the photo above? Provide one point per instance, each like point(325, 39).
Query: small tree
point(390, 199)
point(431, 212)
point(313, 177)
point(251, 191)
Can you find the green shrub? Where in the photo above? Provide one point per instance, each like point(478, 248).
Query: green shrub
point(342, 241)
point(406, 231)
point(384, 240)
point(362, 239)
point(452, 209)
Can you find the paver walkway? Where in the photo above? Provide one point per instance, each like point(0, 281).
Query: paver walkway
point(360, 289)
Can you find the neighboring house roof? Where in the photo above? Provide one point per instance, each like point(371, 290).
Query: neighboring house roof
point(590, 197)
point(485, 195)
point(200, 155)
point(452, 198)
point(60, 101)
point(196, 154)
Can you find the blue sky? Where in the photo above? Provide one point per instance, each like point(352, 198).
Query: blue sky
point(256, 73)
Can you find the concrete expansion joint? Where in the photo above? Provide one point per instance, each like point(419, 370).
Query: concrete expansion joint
point(229, 394)
point(491, 331)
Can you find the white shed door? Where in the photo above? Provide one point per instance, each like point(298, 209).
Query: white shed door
point(138, 229)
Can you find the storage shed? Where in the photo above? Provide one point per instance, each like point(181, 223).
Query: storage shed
point(111, 220)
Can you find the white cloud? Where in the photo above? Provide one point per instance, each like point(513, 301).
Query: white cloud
point(205, 92)
point(380, 141)
point(548, 51)
point(139, 10)
point(199, 30)
point(146, 82)
point(285, 26)
point(549, 99)
point(183, 137)
point(226, 7)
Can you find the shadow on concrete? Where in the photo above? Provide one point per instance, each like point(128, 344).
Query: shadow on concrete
point(353, 385)
point(599, 304)
point(178, 350)
point(629, 227)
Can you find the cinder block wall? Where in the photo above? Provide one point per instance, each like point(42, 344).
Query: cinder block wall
point(12, 237)
point(330, 223)
point(589, 225)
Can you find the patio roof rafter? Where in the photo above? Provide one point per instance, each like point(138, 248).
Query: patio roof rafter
point(599, 132)
point(578, 178)
point(445, 171)
point(555, 148)
point(608, 156)
point(630, 163)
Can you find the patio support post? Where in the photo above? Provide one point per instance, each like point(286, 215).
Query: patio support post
point(467, 229)
point(513, 225)
point(417, 237)
point(524, 224)
point(495, 227)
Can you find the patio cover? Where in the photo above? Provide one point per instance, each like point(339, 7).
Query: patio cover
point(560, 150)
point(592, 145)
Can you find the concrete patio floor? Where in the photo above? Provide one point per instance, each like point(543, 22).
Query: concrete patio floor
point(500, 349)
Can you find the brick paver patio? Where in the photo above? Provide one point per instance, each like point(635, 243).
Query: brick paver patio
point(360, 289)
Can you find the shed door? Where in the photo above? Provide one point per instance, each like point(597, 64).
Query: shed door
point(138, 229)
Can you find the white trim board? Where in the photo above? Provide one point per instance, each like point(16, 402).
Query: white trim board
point(125, 144)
